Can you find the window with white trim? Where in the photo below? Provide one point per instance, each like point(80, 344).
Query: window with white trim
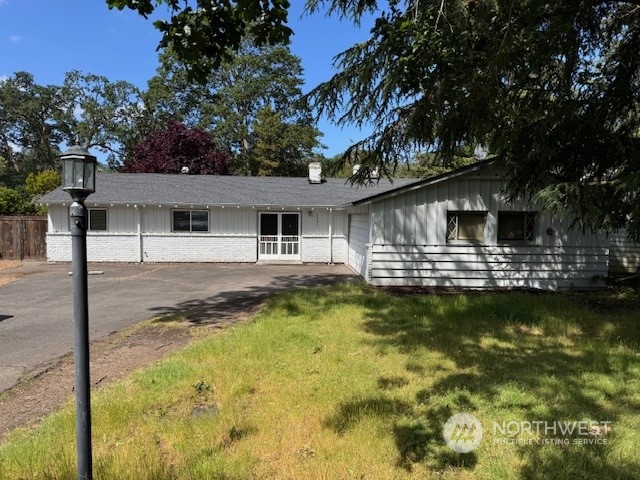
point(97, 219)
point(467, 226)
point(516, 226)
point(190, 221)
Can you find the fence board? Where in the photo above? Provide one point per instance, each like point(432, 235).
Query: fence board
point(23, 237)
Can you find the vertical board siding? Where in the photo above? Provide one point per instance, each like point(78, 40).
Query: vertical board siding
point(315, 222)
point(409, 245)
point(58, 218)
point(624, 254)
point(358, 243)
point(222, 221)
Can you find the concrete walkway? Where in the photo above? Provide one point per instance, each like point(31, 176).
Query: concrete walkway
point(36, 318)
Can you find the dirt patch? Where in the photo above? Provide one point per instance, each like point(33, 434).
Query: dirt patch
point(50, 386)
point(6, 275)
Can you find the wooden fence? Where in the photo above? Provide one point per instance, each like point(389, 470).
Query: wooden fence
point(23, 238)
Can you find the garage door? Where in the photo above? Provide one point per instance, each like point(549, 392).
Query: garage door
point(358, 240)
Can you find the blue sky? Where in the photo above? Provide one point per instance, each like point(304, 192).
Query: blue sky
point(51, 37)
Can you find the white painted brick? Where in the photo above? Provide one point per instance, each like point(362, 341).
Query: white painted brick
point(185, 248)
point(340, 249)
point(199, 248)
point(314, 249)
point(100, 248)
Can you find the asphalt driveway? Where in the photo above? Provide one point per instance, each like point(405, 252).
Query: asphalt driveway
point(36, 317)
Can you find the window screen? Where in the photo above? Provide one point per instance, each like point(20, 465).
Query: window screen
point(97, 219)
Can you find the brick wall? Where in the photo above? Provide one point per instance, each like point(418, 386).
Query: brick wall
point(315, 249)
point(200, 248)
point(100, 248)
point(185, 248)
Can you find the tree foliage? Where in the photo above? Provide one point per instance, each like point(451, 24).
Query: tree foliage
point(37, 184)
point(552, 89)
point(15, 201)
point(229, 101)
point(105, 113)
point(33, 120)
point(281, 149)
point(428, 164)
point(208, 34)
point(174, 147)
point(37, 120)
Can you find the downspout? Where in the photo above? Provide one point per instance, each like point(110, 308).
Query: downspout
point(330, 235)
point(139, 227)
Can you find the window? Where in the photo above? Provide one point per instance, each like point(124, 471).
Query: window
point(516, 226)
point(97, 219)
point(467, 226)
point(190, 221)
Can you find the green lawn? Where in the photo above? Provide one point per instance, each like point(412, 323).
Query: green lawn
point(351, 382)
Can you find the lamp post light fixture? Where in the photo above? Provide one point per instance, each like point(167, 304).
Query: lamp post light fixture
point(79, 179)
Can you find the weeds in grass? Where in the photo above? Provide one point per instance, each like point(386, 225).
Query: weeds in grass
point(351, 382)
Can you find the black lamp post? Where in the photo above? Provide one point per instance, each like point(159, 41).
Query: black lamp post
point(79, 179)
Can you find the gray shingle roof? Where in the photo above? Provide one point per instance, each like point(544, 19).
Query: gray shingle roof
point(200, 190)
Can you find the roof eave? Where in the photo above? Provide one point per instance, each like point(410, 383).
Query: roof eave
point(425, 182)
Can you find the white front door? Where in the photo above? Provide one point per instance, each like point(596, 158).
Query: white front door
point(279, 236)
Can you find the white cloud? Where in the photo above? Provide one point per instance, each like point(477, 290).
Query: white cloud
point(3, 78)
point(14, 38)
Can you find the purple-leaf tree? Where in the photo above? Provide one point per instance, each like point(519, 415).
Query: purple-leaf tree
point(174, 147)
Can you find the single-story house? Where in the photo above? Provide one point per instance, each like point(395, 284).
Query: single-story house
point(451, 230)
point(210, 218)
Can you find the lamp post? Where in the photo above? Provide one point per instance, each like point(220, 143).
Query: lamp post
point(79, 179)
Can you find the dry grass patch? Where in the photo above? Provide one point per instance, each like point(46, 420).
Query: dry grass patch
point(5, 275)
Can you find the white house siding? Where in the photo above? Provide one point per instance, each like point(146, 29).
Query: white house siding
point(119, 243)
point(143, 233)
point(624, 254)
point(359, 244)
point(409, 246)
point(488, 267)
point(315, 234)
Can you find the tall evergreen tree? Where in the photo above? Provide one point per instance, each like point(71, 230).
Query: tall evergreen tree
point(550, 88)
point(228, 103)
